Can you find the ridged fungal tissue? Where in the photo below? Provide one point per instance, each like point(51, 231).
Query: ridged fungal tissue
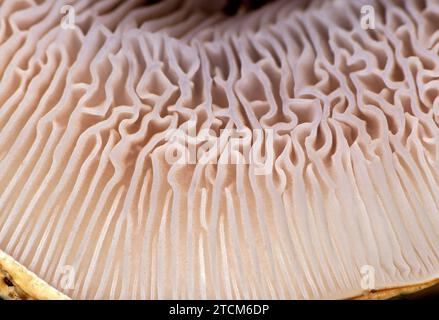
point(174, 150)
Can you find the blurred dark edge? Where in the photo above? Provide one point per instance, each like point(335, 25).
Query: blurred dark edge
point(229, 7)
point(431, 293)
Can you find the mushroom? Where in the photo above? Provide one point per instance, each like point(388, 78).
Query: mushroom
point(165, 151)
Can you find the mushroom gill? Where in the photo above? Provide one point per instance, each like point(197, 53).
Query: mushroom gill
point(152, 151)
